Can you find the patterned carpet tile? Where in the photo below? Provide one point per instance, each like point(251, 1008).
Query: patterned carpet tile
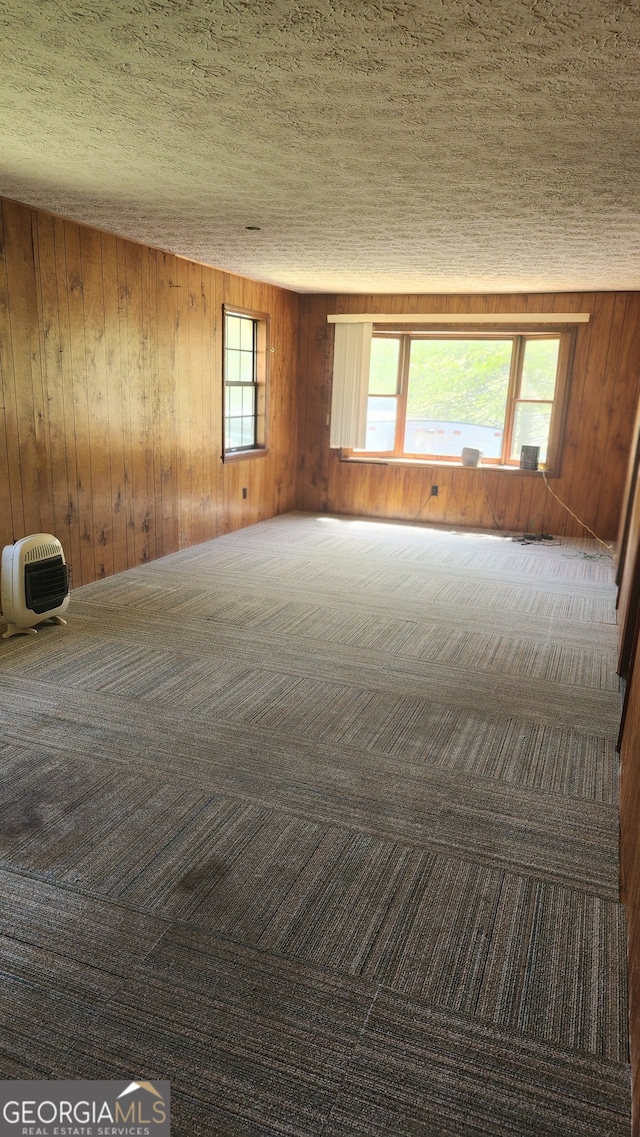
point(55, 1014)
point(437, 928)
point(351, 540)
point(256, 1044)
point(39, 786)
point(318, 821)
point(79, 928)
point(407, 731)
point(419, 1072)
point(256, 1040)
point(37, 980)
point(116, 833)
point(566, 840)
point(565, 954)
point(535, 755)
point(517, 571)
point(468, 628)
point(458, 934)
point(342, 617)
point(126, 662)
point(77, 657)
point(490, 653)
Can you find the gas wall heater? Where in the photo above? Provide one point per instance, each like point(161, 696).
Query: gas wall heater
point(34, 585)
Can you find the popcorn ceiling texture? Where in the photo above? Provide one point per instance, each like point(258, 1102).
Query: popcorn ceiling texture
point(390, 147)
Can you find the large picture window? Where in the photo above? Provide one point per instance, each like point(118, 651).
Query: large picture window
point(245, 356)
point(433, 394)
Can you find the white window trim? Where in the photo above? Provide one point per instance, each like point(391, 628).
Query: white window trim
point(438, 318)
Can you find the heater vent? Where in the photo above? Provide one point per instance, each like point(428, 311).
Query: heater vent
point(39, 552)
point(46, 584)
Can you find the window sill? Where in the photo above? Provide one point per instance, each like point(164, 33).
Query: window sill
point(239, 455)
point(437, 464)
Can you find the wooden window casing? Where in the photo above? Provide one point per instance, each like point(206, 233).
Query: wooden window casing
point(237, 383)
point(518, 338)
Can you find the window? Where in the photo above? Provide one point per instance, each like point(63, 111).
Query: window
point(432, 394)
point(245, 356)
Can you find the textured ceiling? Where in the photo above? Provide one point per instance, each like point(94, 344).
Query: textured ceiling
point(454, 145)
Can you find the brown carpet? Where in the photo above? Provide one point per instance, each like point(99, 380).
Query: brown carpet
point(319, 821)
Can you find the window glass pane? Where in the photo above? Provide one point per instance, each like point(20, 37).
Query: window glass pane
point(248, 431)
point(232, 367)
point(246, 367)
point(383, 372)
point(248, 400)
point(234, 400)
point(457, 396)
point(232, 329)
point(531, 428)
point(234, 432)
point(246, 335)
point(539, 369)
point(381, 423)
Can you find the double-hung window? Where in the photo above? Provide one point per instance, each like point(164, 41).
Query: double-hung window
point(245, 354)
point(433, 394)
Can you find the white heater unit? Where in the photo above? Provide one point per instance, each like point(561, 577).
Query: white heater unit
point(34, 585)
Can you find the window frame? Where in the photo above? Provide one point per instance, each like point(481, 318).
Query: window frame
point(518, 335)
point(260, 383)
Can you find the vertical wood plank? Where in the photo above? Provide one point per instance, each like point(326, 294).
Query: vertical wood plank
point(51, 356)
point(113, 373)
point(209, 398)
point(167, 297)
point(38, 372)
point(185, 476)
point(80, 408)
point(217, 286)
point(12, 518)
point(68, 462)
point(147, 299)
point(196, 400)
point(137, 334)
point(152, 386)
point(26, 396)
point(95, 376)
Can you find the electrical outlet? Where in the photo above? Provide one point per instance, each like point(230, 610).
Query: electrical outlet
point(434, 491)
point(244, 491)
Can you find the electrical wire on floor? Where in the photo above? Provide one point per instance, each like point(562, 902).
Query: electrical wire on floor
point(590, 556)
point(607, 555)
point(546, 539)
point(586, 556)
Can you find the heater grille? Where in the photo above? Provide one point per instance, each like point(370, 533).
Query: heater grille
point(46, 584)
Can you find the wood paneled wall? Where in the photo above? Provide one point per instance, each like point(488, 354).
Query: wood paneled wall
point(628, 577)
point(110, 363)
point(602, 400)
point(630, 867)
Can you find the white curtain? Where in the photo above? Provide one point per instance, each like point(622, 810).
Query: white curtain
point(351, 359)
